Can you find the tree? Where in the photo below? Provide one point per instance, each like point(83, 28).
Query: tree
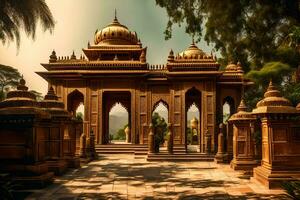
point(160, 129)
point(17, 14)
point(252, 32)
point(120, 134)
point(9, 78)
point(39, 96)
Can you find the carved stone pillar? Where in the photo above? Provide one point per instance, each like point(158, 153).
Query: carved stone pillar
point(243, 145)
point(170, 139)
point(220, 156)
point(82, 152)
point(151, 140)
point(93, 154)
point(207, 142)
point(127, 133)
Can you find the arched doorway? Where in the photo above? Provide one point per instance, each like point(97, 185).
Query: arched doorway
point(75, 104)
point(121, 99)
point(118, 124)
point(193, 129)
point(160, 117)
point(194, 140)
point(228, 108)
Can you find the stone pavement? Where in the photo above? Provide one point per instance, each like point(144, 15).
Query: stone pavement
point(123, 177)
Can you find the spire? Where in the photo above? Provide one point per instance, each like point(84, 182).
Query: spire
point(242, 106)
point(115, 19)
point(171, 56)
point(73, 57)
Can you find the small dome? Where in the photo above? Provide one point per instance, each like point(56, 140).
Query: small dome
point(52, 105)
point(115, 34)
point(273, 102)
point(242, 113)
point(231, 67)
point(192, 52)
point(20, 97)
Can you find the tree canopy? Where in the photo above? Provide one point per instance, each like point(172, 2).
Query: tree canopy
point(249, 31)
point(9, 78)
point(18, 14)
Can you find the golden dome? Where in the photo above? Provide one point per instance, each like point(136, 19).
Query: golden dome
point(115, 34)
point(273, 102)
point(192, 52)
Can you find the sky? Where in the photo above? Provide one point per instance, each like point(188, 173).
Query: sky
point(76, 23)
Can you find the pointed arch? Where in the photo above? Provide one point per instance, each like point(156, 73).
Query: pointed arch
point(193, 95)
point(161, 101)
point(74, 99)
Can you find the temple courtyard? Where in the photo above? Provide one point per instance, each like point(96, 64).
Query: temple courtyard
point(124, 177)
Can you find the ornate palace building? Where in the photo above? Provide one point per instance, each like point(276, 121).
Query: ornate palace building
point(114, 69)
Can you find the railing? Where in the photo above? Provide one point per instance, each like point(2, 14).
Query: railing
point(157, 67)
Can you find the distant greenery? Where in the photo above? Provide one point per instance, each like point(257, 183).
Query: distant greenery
point(189, 135)
point(79, 116)
point(160, 130)
point(9, 79)
point(120, 134)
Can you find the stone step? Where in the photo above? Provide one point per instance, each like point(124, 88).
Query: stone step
point(164, 156)
point(121, 149)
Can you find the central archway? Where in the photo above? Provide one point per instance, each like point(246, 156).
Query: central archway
point(193, 136)
point(111, 99)
point(160, 118)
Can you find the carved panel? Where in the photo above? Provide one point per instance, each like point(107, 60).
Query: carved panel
point(143, 104)
point(279, 134)
point(94, 103)
point(241, 147)
point(296, 134)
point(209, 104)
point(177, 118)
point(280, 149)
point(94, 119)
point(210, 119)
point(177, 103)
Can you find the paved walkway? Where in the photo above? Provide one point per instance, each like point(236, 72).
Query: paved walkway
point(123, 177)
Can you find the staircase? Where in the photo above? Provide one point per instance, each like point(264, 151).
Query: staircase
point(138, 150)
point(179, 154)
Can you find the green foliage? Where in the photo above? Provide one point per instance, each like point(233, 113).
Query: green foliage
point(275, 71)
point(9, 79)
point(189, 135)
point(39, 96)
point(292, 188)
point(16, 15)
point(291, 91)
point(252, 32)
point(120, 134)
point(253, 95)
point(79, 116)
point(160, 129)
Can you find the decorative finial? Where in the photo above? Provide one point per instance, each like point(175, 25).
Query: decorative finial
point(242, 106)
point(73, 57)
point(193, 40)
point(116, 14)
